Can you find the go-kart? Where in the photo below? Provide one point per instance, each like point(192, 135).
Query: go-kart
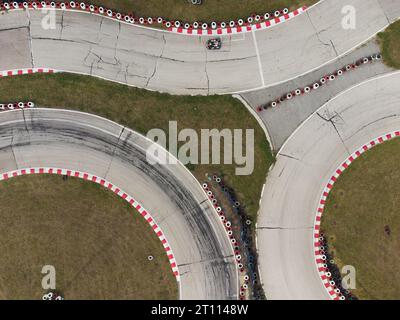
point(214, 44)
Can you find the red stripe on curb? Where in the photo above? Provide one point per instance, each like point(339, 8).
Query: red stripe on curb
point(15, 72)
point(83, 175)
point(339, 171)
point(117, 16)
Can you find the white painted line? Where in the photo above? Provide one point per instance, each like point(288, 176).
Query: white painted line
point(258, 59)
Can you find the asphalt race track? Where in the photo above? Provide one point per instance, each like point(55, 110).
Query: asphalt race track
point(304, 166)
point(78, 141)
point(180, 64)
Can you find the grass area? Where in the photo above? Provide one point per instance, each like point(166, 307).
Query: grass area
point(390, 44)
point(362, 221)
point(143, 110)
point(98, 244)
point(210, 10)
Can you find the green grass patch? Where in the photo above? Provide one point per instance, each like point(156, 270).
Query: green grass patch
point(98, 244)
point(143, 110)
point(365, 202)
point(390, 44)
point(210, 10)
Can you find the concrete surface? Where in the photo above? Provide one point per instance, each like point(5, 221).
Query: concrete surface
point(304, 166)
point(180, 64)
point(78, 141)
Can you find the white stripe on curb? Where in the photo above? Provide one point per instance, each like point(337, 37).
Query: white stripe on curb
point(240, 29)
point(317, 223)
point(89, 177)
point(17, 72)
point(76, 6)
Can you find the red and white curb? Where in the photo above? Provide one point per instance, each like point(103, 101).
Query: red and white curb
point(89, 177)
point(238, 28)
point(194, 28)
point(16, 106)
point(320, 259)
point(19, 72)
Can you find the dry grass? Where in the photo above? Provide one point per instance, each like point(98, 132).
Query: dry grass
point(362, 203)
point(390, 44)
point(97, 243)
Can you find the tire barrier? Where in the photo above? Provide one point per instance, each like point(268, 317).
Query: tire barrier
point(16, 106)
point(333, 277)
point(52, 296)
point(238, 226)
point(251, 23)
point(323, 81)
point(228, 229)
point(89, 177)
point(218, 28)
point(329, 273)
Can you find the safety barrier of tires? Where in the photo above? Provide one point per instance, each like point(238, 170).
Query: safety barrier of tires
point(239, 227)
point(253, 22)
point(52, 296)
point(16, 105)
point(332, 271)
point(318, 84)
point(243, 225)
point(244, 281)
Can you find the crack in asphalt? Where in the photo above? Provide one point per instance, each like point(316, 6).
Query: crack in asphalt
point(122, 67)
point(92, 63)
point(206, 73)
point(317, 32)
point(14, 28)
point(156, 64)
point(384, 12)
point(12, 150)
point(334, 48)
point(62, 24)
point(331, 120)
point(113, 153)
point(288, 156)
point(232, 59)
point(23, 115)
point(66, 40)
point(100, 60)
point(219, 260)
point(30, 38)
point(99, 30)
